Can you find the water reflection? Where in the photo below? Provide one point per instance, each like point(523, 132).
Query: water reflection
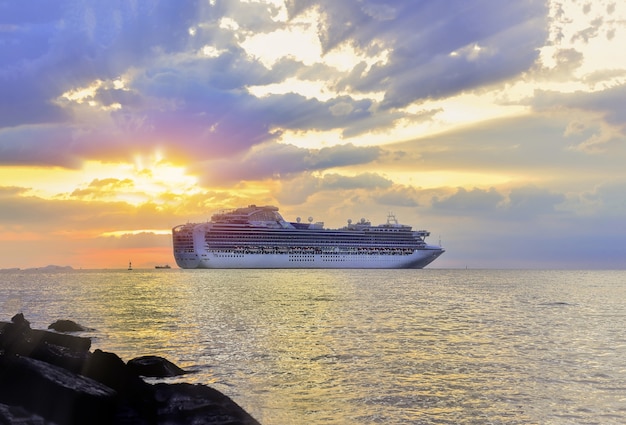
point(337, 347)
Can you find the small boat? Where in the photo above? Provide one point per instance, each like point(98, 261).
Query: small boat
point(167, 266)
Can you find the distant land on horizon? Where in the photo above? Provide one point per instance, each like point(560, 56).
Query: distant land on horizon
point(49, 267)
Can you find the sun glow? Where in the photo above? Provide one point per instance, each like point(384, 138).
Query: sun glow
point(135, 183)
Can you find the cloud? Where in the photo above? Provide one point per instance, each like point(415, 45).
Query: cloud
point(521, 203)
point(602, 76)
point(9, 192)
point(45, 144)
point(589, 32)
point(606, 200)
point(566, 242)
point(142, 240)
point(113, 81)
point(275, 160)
point(567, 61)
point(361, 181)
point(69, 43)
point(103, 187)
point(436, 49)
point(600, 112)
point(531, 201)
point(171, 93)
point(539, 145)
point(47, 217)
point(530, 226)
point(90, 212)
point(401, 196)
point(300, 188)
point(465, 202)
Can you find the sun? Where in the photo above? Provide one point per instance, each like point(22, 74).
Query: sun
point(146, 179)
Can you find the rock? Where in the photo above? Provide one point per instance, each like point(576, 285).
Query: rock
point(199, 405)
point(68, 326)
point(19, 320)
point(54, 393)
point(48, 378)
point(58, 349)
point(109, 369)
point(21, 337)
point(154, 366)
point(69, 342)
point(19, 415)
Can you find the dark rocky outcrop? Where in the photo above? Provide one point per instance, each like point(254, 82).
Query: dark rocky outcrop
point(67, 351)
point(68, 326)
point(154, 366)
point(19, 415)
point(195, 404)
point(54, 392)
point(47, 377)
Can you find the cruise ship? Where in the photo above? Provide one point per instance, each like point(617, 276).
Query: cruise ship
point(259, 237)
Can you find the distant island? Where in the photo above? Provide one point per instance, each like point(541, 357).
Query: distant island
point(49, 267)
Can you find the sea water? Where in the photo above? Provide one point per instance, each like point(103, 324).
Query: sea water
point(362, 346)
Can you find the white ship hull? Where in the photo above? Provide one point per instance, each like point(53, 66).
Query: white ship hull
point(416, 260)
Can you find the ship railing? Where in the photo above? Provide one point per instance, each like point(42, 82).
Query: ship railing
point(312, 250)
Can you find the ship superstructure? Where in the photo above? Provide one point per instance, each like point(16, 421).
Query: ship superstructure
point(259, 237)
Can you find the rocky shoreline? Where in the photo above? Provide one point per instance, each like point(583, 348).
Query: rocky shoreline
point(51, 377)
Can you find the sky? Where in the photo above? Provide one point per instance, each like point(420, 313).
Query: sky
point(500, 127)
